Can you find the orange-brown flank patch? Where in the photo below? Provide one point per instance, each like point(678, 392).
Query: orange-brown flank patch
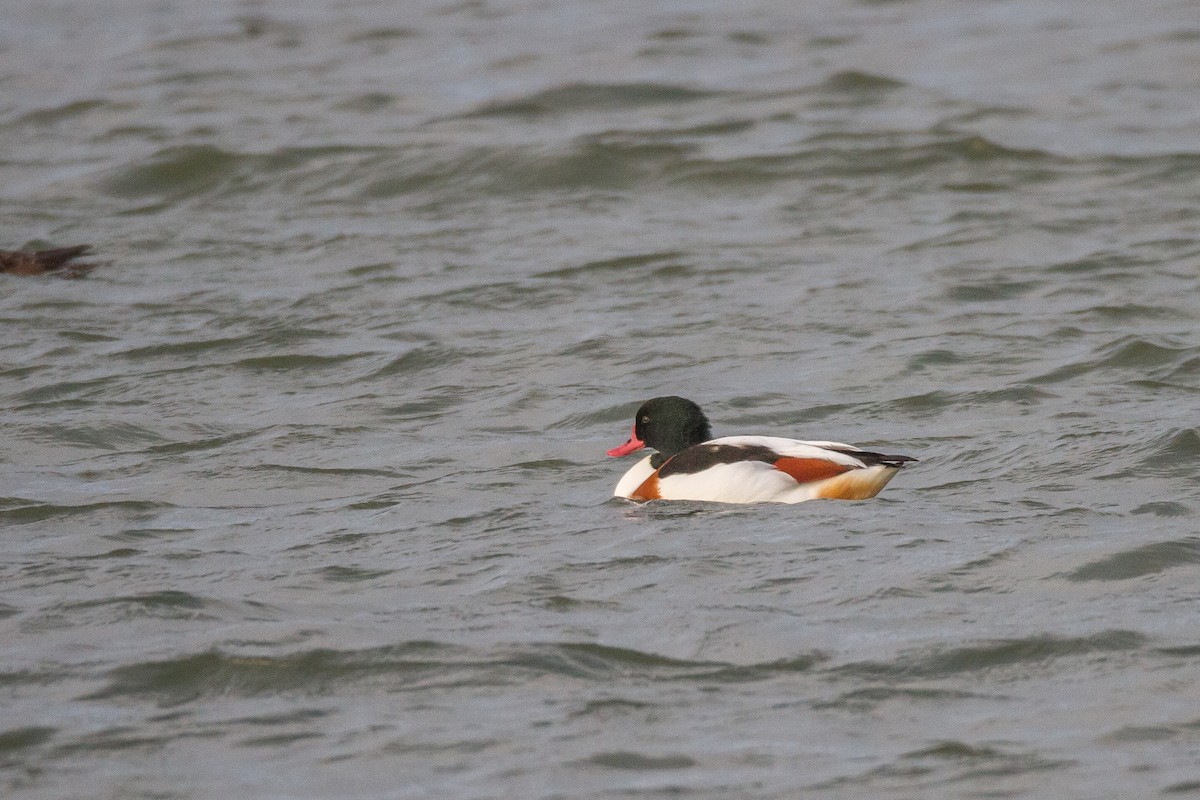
point(648, 490)
point(807, 470)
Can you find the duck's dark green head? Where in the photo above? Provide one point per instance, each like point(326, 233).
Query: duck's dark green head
point(669, 425)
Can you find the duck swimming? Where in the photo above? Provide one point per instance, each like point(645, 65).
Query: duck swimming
point(691, 465)
point(58, 261)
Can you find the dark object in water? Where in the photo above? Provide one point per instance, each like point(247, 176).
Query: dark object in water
point(57, 261)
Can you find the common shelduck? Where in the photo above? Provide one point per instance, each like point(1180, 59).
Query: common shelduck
point(691, 465)
point(59, 261)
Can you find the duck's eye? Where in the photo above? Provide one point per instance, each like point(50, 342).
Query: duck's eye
point(645, 419)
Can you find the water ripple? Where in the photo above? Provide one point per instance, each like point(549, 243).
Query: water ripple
point(587, 97)
point(1039, 650)
point(1148, 559)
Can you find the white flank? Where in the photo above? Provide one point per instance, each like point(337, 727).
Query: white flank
point(760, 482)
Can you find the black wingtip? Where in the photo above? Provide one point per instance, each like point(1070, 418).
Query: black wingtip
point(874, 459)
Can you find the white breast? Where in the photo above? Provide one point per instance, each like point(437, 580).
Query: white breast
point(634, 478)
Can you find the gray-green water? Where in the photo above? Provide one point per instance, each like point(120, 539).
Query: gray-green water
point(304, 495)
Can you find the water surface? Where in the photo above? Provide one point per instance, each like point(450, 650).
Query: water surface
point(303, 495)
